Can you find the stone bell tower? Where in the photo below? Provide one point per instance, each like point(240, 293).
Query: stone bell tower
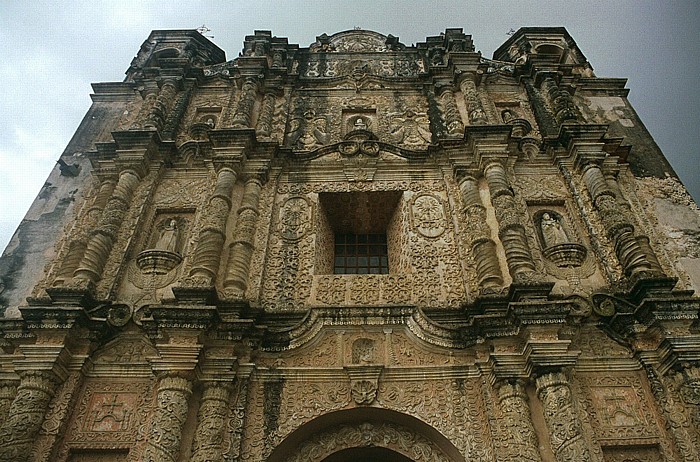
point(355, 250)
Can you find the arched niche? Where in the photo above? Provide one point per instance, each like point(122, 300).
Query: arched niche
point(366, 433)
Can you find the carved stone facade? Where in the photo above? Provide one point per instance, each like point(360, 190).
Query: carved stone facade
point(356, 250)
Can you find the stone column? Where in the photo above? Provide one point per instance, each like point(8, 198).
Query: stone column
point(149, 95)
point(161, 106)
point(244, 112)
point(522, 438)
point(211, 422)
point(617, 223)
point(207, 254)
point(565, 431)
point(475, 110)
point(77, 246)
point(26, 415)
point(244, 234)
point(478, 235)
point(560, 100)
point(453, 119)
point(165, 433)
point(8, 391)
point(510, 228)
point(102, 238)
point(267, 112)
point(676, 421)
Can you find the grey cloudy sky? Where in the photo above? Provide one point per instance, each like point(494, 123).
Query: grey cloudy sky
point(52, 51)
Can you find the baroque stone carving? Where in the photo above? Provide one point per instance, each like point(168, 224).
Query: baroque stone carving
point(428, 215)
point(386, 435)
point(560, 415)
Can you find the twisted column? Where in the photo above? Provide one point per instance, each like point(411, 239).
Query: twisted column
point(478, 236)
point(244, 234)
point(560, 100)
point(618, 225)
point(161, 106)
point(523, 445)
point(453, 119)
point(207, 254)
point(565, 433)
point(211, 422)
point(510, 228)
point(26, 415)
point(102, 238)
point(165, 433)
point(267, 111)
point(244, 112)
point(149, 95)
point(76, 249)
point(475, 110)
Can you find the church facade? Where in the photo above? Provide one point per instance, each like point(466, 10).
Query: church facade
point(355, 250)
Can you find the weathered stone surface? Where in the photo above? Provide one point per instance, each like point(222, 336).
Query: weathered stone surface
point(355, 250)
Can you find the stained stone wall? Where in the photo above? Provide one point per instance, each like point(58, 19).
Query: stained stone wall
point(171, 294)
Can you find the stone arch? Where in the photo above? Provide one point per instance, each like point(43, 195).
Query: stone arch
point(367, 431)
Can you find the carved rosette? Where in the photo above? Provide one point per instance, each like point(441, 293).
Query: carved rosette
point(211, 423)
point(165, 433)
point(27, 412)
point(565, 433)
point(522, 438)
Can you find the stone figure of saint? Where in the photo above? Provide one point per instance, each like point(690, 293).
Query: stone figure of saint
point(169, 237)
point(507, 115)
point(552, 231)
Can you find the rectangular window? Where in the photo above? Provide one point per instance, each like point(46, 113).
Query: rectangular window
point(361, 254)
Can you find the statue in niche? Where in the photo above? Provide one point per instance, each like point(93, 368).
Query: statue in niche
point(553, 233)
point(507, 116)
point(169, 237)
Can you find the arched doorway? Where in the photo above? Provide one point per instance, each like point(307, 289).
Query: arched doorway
point(366, 434)
point(367, 455)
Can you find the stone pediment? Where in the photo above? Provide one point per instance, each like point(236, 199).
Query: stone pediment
point(360, 143)
point(355, 41)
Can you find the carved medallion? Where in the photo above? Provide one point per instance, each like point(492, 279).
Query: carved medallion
point(428, 215)
point(296, 216)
